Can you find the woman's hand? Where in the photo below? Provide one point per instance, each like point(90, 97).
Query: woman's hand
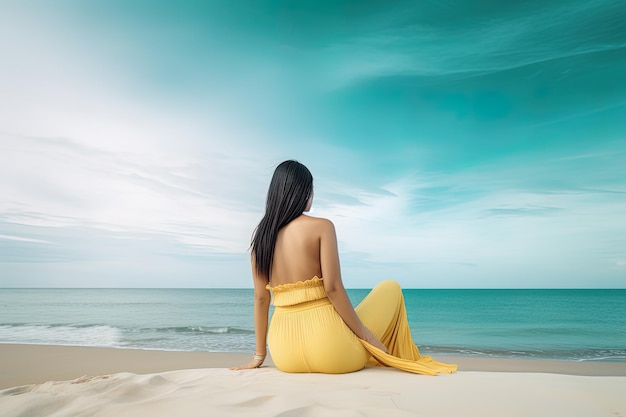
point(256, 362)
point(369, 337)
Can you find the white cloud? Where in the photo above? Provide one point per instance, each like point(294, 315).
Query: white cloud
point(506, 231)
point(59, 184)
point(91, 163)
point(424, 49)
point(23, 239)
point(128, 180)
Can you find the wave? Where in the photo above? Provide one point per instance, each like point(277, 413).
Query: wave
point(208, 330)
point(234, 339)
point(580, 355)
point(191, 337)
point(60, 334)
point(180, 329)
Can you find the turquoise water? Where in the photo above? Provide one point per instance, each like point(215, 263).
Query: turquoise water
point(555, 324)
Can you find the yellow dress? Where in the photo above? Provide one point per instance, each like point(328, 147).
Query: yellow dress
point(306, 334)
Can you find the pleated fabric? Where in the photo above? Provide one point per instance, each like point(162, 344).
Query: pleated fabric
point(306, 334)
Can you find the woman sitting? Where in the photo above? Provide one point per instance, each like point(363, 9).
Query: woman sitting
point(314, 327)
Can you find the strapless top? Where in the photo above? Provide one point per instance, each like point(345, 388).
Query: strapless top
point(298, 292)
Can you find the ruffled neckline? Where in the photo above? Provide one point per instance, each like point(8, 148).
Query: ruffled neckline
point(313, 282)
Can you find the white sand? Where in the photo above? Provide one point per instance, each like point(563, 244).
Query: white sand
point(164, 384)
point(371, 392)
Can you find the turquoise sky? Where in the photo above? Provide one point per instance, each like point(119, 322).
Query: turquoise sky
point(454, 144)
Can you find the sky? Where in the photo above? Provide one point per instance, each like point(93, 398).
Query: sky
point(454, 144)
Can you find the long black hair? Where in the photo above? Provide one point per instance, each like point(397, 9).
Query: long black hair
point(287, 198)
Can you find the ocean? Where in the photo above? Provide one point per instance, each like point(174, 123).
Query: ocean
point(579, 325)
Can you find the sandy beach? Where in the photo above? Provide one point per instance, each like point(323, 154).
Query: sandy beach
point(39, 380)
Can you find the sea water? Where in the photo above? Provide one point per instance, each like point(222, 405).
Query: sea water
point(552, 324)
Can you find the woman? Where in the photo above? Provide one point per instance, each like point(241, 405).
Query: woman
point(314, 327)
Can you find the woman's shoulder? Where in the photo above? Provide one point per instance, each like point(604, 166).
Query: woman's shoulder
point(316, 220)
point(318, 223)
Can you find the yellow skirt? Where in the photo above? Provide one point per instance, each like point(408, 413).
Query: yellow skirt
point(306, 334)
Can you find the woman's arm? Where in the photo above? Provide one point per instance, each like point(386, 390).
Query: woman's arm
point(262, 300)
point(331, 273)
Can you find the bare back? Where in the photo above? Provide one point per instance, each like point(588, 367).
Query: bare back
point(299, 250)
